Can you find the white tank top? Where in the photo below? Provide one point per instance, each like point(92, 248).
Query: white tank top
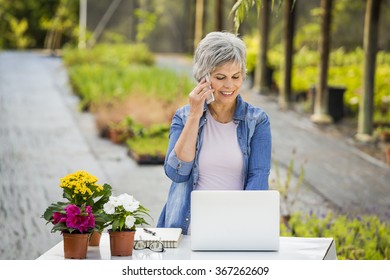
point(221, 161)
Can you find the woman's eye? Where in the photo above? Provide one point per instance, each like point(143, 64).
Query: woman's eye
point(222, 78)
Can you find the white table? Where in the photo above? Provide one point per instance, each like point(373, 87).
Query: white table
point(291, 248)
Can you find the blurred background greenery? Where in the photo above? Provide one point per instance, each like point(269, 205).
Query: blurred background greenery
point(173, 26)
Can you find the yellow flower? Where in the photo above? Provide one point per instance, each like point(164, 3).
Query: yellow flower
point(81, 184)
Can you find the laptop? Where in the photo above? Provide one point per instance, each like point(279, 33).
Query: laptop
point(235, 220)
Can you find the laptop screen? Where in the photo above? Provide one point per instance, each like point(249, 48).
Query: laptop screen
point(235, 220)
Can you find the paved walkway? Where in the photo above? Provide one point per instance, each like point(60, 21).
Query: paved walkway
point(43, 137)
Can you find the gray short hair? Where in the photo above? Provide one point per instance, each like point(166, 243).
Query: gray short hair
point(216, 49)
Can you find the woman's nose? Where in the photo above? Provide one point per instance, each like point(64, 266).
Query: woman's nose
point(228, 84)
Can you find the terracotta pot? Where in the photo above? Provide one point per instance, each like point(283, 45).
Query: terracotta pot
point(94, 239)
point(75, 245)
point(121, 242)
point(388, 155)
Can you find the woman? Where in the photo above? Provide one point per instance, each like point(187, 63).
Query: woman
point(222, 145)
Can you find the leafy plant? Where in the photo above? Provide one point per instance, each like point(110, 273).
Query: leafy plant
point(81, 190)
point(70, 218)
point(99, 84)
point(357, 238)
point(152, 141)
point(124, 213)
point(288, 192)
point(18, 36)
point(118, 55)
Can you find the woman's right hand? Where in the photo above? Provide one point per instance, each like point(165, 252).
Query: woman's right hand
point(198, 96)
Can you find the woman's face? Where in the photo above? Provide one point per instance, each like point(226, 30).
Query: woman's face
point(226, 80)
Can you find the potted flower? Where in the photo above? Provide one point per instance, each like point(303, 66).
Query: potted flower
point(82, 212)
point(81, 187)
point(75, 223)
point(124, 213)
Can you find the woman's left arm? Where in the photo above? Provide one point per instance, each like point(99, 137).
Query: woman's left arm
point(259, 164)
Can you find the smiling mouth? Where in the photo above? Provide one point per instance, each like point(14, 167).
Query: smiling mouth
point(226, 93)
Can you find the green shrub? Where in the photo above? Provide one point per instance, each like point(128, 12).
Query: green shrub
point(120, 55)
point(155, 146)
point(152, 141)
point(251, 43)
point(360, 238)
point(99, 83)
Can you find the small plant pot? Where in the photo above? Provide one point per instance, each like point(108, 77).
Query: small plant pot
point(94, 239)
point(75, 245)
point(121, 243)
point(388, 155)
point(385, 136)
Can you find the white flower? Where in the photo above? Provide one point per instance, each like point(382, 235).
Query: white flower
point(109, 207)
point(129, 222)
point(115, 200)
point(128, 202)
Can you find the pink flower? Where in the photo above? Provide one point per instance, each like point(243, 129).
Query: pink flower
point(59, 218)
point(86, 223)
point(76, 218)
point(72, 210)
point(88, 209)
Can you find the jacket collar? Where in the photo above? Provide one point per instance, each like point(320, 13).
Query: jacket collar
point(239, 113)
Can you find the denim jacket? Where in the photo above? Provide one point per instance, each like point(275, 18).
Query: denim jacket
point(254, 138)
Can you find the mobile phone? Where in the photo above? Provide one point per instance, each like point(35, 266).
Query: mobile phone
point(210, 98)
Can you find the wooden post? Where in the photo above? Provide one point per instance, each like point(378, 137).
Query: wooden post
point(321, 97)
point(370, 44)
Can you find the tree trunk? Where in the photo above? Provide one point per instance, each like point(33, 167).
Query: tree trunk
point(199, 15)
point(260, 82)
point(219, 15)
point(133, 21)
point(289, 18)
point(190, 12)
point(370, 44)
point(83, 24)
point(321, 97)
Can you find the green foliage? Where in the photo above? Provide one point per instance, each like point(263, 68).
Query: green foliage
point(109, 72)
point(98, 84)
point(64, 22)
point(17, 36)
point(307, 36)
point(152, 141)
point(240, 11)
point(252, 45)
point(147, 23)
point(21, 21)
point(124, 213)
point(152, 146)
point(118, 219)
point(288, 191)
point(118, 55)
point(359, 238)
point(241, 8)
point(345, 70)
